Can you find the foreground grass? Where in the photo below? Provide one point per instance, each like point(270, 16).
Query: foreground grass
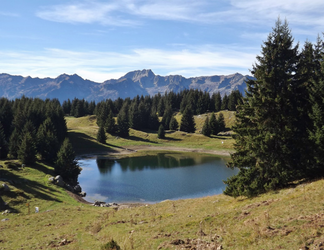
point(288, 219)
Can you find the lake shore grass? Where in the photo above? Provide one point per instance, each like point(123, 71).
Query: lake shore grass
point(291, 218)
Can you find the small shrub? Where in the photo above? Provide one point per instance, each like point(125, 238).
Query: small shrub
point(111, 245)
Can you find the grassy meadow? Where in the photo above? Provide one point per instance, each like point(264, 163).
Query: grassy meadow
point(291, 218)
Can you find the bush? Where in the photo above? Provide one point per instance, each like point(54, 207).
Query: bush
point(111, 245)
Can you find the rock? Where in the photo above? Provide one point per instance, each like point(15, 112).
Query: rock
point(83, 194)
point(220, 247)
point(77, 189)
point(7, 211)
point(5, 219)
point(69, 187)
point(59, 181)
point(98, 203)
point(51, 179)
point(5, 187)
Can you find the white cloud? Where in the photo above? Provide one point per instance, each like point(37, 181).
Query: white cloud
point(258, 13)
point(10, 14)
point(100, 66)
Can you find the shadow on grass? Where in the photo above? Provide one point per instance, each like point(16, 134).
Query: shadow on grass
point(25, 189)
point(83, 143)
point(135, 138)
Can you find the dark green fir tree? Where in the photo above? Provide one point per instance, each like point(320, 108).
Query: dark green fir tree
point(66, 165)
point(27, 149)
point(213, 124)
point(187, 121)
point(174, 125)
point(101, 135)
point(269, 140)
point(161, 132)
point(206, 131)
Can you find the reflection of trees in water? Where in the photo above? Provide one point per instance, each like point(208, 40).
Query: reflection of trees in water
point(105, 165)
point(161, 160)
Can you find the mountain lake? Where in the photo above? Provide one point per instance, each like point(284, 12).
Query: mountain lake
point(153, 178)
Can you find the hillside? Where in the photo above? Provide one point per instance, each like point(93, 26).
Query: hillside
point(140, 82)
point(291, 218)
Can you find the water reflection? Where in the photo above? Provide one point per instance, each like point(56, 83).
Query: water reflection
point(161, 160)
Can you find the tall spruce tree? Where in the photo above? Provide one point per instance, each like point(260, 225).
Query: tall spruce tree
point(213, 124)
point(174, 125)
point(221, 122)
point(314, 71)
point(187, 121)
point(27, 149)
point(4, 148)
point(66, 165)
point(101, 136)
point(269, 137)
point(206, 131)
point(161, 132)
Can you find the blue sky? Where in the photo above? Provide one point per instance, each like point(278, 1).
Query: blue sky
point(101, 40)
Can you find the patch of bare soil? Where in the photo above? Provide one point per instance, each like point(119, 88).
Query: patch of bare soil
point(78, 198)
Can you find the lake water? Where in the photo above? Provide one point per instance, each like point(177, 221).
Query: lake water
point(153, 178)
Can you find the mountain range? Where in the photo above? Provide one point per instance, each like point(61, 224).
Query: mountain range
point(139, 82)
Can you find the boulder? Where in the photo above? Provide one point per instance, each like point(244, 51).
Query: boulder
point(5, 187)
point(77, 189)
point(69, 187)
point(51, 179)
point(7, 211)
point(99, 203)
point(59, 181)
point(83, 194)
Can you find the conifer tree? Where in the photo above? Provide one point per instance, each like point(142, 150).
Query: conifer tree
point(218, 102)
point(3, 144)
point(269, 137)
point(167, 117)
point(101, 136)
point(314, 73)
point(47, 142)
point(66, 165)
point(224, 102)
point(206, 131)
point(174, 125)
point(161, 132)
point(14, 143)
point(221, 122)
point(122, 121)
point(187, 121)
point(153, 122)
point(110, 125)
point(27, 149)
point(213, 125)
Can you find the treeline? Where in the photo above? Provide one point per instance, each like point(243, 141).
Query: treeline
point(32, 128)
point(143, 112)
point(280, 122)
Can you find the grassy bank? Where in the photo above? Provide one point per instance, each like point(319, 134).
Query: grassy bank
point(83, 132)
point(291, 218)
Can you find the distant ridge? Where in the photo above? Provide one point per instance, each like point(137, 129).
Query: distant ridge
point(139, 82)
